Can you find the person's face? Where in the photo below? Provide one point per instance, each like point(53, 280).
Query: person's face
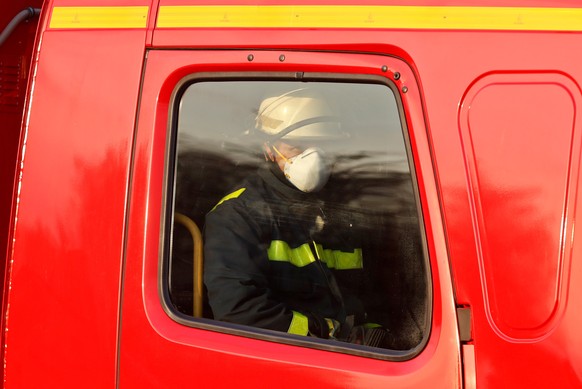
point(309, 173)
point(286, 151)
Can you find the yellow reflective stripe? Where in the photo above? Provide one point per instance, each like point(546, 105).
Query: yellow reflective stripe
point(340, 260)
point(372, 325)
point(325, 255)
point(231, 196)
point(99, 17)
point(345, 261)
point(355, 16)
point(299, 324)
point(300, 256)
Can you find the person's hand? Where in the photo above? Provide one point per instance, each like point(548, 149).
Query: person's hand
point(321, 327)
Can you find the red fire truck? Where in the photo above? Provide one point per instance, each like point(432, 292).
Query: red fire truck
point(124, 123)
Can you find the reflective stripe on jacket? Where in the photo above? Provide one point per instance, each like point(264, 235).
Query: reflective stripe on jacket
point(263, 266)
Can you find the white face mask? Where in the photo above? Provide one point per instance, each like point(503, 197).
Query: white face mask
point(308, 171)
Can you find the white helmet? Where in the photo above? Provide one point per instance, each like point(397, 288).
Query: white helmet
point(298, 115)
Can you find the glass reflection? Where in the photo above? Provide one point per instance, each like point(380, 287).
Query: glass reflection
point(287, 246)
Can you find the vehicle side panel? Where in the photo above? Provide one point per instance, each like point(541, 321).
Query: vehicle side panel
point(62, 319)
point(536, 357)
point(67, 265)
point(15, 64)
point(158, 351)
point(448, 64)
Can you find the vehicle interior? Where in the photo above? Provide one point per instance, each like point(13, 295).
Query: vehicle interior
point(371, 187)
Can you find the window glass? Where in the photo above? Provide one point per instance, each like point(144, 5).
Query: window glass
point(305, 201)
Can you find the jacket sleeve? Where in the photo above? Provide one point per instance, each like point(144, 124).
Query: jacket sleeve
point(236, 271)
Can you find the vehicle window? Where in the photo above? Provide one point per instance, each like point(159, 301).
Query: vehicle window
point(304, 198)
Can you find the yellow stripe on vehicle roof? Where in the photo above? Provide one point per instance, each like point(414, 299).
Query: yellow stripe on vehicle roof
point(366, 17)
point(99, 17)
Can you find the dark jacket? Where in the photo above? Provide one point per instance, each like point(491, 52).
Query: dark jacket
point(268, 262)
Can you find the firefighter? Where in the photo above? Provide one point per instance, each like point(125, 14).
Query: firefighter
point(271, 258)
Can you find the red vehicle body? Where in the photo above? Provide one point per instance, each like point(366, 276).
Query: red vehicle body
point(490, 92)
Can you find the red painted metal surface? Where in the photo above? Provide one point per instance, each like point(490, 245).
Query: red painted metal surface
point(15, 61)
point(150, 337)
point(448, 64)
point(500, 360)
point(75, 260)
point(62, 317)
point(525, 263)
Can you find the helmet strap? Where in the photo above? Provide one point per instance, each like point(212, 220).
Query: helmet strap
point(281, 155)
